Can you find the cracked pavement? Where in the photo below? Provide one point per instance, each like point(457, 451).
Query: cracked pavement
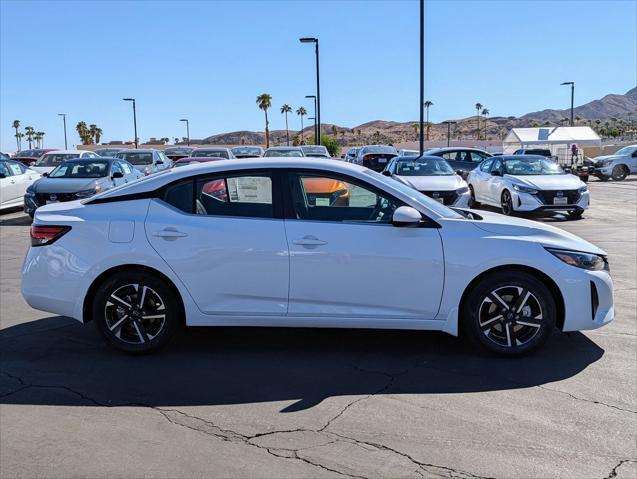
point(232, 402)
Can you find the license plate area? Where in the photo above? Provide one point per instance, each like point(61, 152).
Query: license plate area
point(560, 201)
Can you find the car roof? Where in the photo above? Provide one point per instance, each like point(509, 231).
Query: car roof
point(456, 148)
point(211, 148)
point(283, 148)
point(415, 157)
point(521, 157)
point(66, 152)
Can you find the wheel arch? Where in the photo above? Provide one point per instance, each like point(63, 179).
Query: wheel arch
point(90, 293)
point(543, 277)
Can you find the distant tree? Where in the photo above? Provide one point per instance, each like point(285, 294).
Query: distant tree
point(165, 139)
point(478, 108)
point(264, 101)
point(301, 111)
point(16, 125)
point(83, 132)
point(332, 145)
point(176, 140)
point(38, 136)
point(428, 104)
point(485, 113)
point(334, 131)
point(29, 131)
point(285, 109)
point(416, 127)
point(577, 120)
point(547, 123)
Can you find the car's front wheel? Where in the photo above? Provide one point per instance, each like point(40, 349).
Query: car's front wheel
point(509, 313)
point(472, 198)
point(620, 172)
point(136, 311)
point(506, 203)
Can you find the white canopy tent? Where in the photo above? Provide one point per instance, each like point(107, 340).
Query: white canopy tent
point(558, 139)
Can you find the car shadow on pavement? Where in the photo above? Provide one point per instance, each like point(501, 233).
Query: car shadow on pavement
point(57, 361)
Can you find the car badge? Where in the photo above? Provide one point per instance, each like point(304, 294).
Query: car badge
point(559, 194)
point(53, 197)
point(436, 195)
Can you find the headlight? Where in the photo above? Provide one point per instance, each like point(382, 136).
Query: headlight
point(29, 192)
point(463, 190)
point(590, 261)
point(583, 189)
point(525, 189)
point(605, 163)
point(87, 193)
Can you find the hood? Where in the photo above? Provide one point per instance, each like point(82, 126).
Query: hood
point(541, 233)
point(607, 157)
point(432, 183)
point(548, 182)
point(42, 169)
point(67, 185)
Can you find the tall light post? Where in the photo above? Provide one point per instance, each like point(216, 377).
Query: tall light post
point(318, 85)
point(316, 133)
point(134, 118)
point(63, 115)
point(422, 76)
point(572, 83)
point(449, 123)
point(187, 130)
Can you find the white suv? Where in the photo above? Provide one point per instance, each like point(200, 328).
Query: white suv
point(618, 165)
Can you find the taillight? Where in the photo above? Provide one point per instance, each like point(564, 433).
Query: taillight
point(45, 235)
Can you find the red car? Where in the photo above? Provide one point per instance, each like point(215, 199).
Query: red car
point(28, 157)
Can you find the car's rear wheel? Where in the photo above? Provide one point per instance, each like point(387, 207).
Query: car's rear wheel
point(506, 203)
point(509, 313)
point(136, 311)
point(619, 173)
point(472, 199)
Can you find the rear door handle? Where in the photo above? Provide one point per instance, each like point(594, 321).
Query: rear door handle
point(169, 234)
point(309, 241)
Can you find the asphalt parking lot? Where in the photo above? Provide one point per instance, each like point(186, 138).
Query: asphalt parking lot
point(231, 402)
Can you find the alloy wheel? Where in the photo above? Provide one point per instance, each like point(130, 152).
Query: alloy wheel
point(510, 316)
point(619, 173)
point(135, 313)
point(507, 203)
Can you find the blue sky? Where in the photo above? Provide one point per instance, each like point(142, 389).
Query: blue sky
point(208, 60)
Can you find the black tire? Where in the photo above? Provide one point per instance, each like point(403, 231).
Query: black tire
point(118, 316)
point(512, 335)
point(472, 200)
point(620, 172)
point(575, 214)
point(506, 203)
point(603, 177)
point(584, 178)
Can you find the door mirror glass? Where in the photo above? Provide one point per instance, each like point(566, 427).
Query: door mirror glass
point(496, 173)
point(406, 216)
point(386, 173)
point(117, 174)
point(459, 172)
point(2, 175)
point(159, 162)
point(45, 174)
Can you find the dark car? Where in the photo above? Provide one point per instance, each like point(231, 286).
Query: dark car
point(375, 157)
point(178, 152)
point(79, 178)
point(28, 157)
point(463, 160)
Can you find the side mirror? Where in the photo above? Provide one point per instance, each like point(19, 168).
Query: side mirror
point(406, 216)
point(460, 173)
point(117, 174)
point(386, 173)
point(159, 162)
point(634, 154)
point(45, 174)
point(2, 175)
point(496, 173)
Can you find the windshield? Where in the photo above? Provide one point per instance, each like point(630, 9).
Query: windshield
point(81, 169)
point(417, 196)
point(106, 152)
point(246, 151)
point(379, 149)
point(284, 153)
point(424, 167)
point(315, 150)
point(627, 150)
point(535, 166)
point(54, 159)
point(137, 157)
point(211, 154)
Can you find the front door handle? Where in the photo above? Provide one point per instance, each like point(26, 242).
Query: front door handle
point(169, 234)
point(309, 241)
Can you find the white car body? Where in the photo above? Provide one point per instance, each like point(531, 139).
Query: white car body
point(625, 158)
point(559, 192)
point(238, 271)
point(69, 154)
point(15, 183)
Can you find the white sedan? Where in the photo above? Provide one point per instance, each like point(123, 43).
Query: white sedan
point(15, 178)
point(50, 161)
point(527, 184)
point(432, 176)
point(231, 243)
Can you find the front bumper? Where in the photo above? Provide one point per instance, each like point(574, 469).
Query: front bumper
point(588, 298)
point(30, 204)
point(604, 171)
point(526, 202)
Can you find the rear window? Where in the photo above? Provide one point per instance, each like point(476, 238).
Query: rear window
point(210, 154)
point(137, 158)
point(284, 153)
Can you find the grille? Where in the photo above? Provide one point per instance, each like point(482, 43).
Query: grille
point(547, 196)
point(42, 198)
point(449, 197)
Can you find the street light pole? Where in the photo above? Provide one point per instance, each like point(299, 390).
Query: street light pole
point(422, 76)
point(316, 135)
point(572, 83)
point(449, 123)
point(63, 115)
point(318, 85)
point(134, 119)
point(187, 130)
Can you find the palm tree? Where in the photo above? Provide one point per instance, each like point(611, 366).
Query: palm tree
point(485, 112)
point(29, 132)
point(285, 109)
point(92, 129)
point(416, 127)
point(577, 120)
point(16, 125)
point(301, 112)
point(165, 139)
point(39, 138)
point(334, 131)
point(82, 131)
point(264, 101)
point(98, 135)
point(427, 105)
point(547, 123)
point(478, 108)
